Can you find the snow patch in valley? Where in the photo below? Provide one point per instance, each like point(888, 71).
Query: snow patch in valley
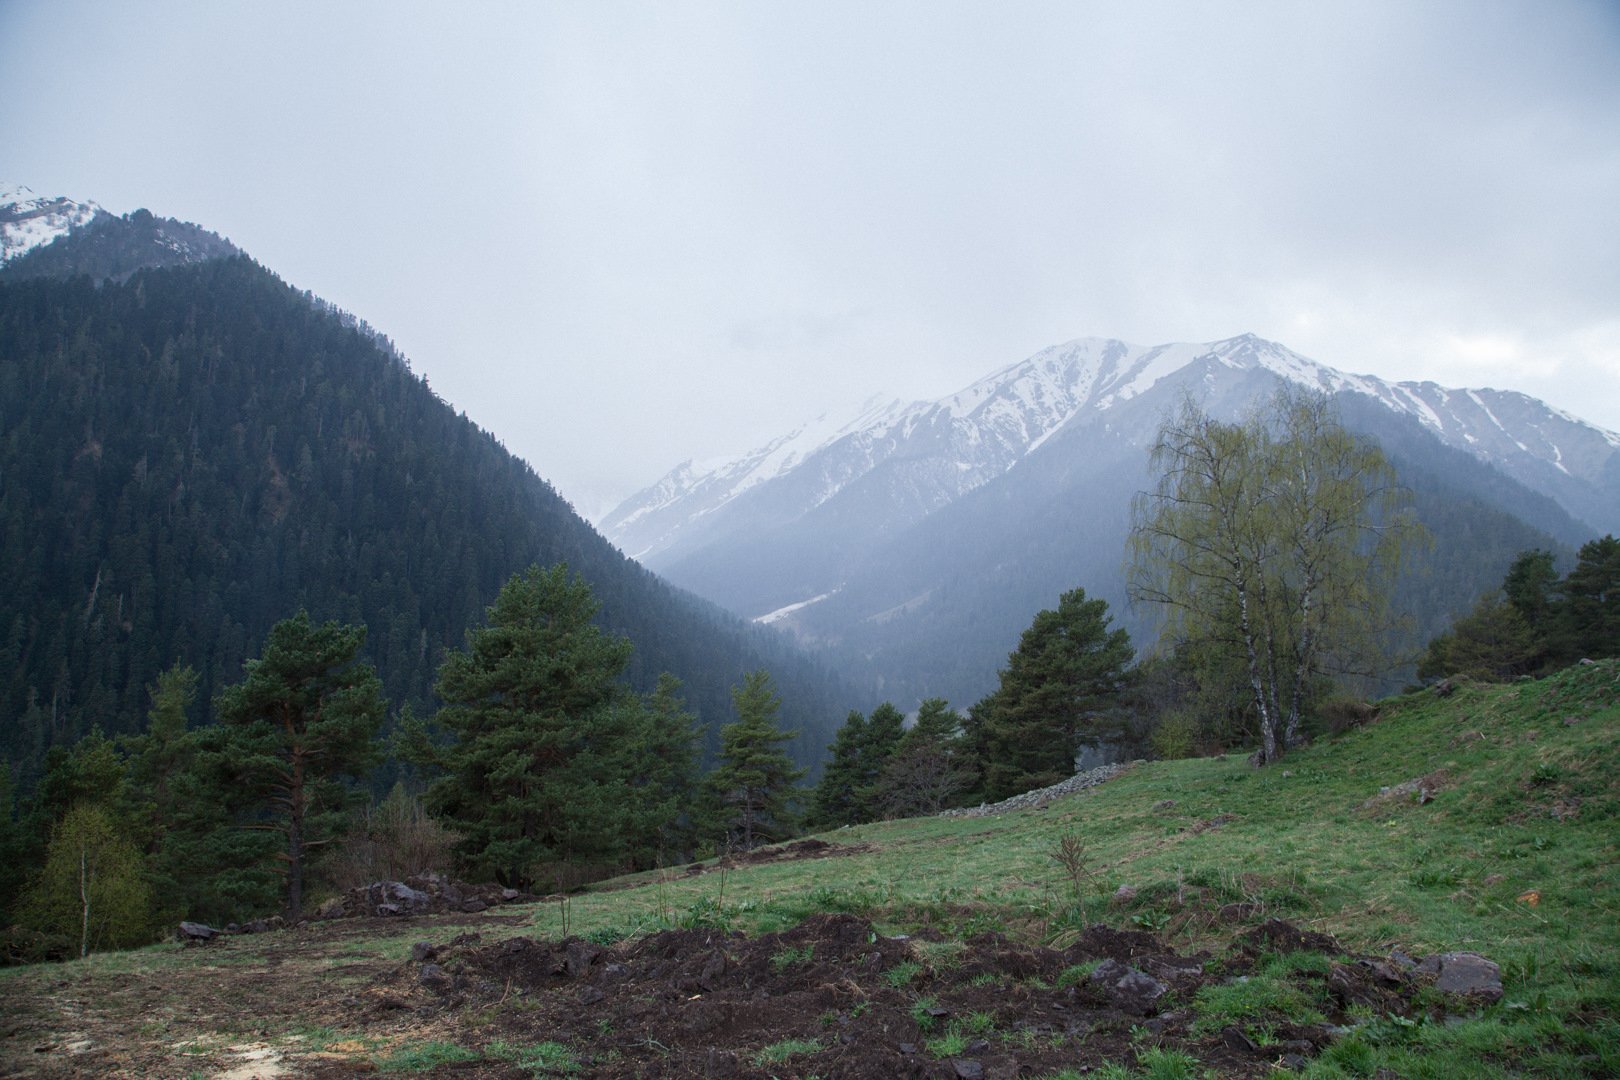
point(783, 612)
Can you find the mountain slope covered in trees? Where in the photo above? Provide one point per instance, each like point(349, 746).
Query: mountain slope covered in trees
point(193, 450)
point(917, 543)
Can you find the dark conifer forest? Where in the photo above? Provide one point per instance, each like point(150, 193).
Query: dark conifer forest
point(190, 453)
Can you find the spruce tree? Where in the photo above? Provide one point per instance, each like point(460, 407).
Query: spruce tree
point(834, 801)
point(1591, 602)
point(542, 777)
point(307, 714)
point(754, 779)
point(1057, 692)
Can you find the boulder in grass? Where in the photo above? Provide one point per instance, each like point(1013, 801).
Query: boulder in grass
point(190, 932)
point(1466, 974)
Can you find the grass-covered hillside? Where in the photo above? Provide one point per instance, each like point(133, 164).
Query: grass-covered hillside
point(1482, 821)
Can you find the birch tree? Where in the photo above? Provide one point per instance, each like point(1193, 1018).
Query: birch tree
point(1274, 541)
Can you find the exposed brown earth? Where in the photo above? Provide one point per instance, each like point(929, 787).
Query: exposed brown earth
point(680, 1003)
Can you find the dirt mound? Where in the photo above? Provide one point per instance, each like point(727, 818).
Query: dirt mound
point(1275, 935)
point(833, 997)
point(430, 894)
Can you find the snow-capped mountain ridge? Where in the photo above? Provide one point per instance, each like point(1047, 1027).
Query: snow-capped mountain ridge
point(28, 221)
point(932, 453)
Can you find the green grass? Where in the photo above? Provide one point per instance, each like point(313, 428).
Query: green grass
point(791, 958)
point(778, 1052)
point(1527, 807)
point(541, 1060)
point(420, 1057)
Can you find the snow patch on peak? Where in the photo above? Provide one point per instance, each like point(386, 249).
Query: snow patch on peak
point(28, 221)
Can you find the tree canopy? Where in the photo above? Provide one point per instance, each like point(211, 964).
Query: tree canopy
point(1057, 693)
point(1270, 545)
point(307, 713)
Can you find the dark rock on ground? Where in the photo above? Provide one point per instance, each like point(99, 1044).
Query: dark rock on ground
point(1467, 974)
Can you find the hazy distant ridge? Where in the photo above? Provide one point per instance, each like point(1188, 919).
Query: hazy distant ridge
point(961, 442)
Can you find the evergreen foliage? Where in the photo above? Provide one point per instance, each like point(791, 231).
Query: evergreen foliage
point(306, 714)
point(752, 783)
point(191, 453)
point(1059, 691)
point(930, 768)
point(551, 776)
point(850, 791)
point(1494, 642)
point(1536, 623)
point(1591, 602)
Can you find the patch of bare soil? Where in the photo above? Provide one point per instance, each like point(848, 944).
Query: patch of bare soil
point(679, 1004)
point(704, 1003)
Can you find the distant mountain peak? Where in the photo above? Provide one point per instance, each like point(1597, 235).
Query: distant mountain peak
point(28, 221)
point(927, 454)
point(94, 242)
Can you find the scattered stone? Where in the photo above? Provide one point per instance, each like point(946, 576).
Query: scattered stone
point(590, 996)
point(190, 932)
point(426, 894)
point(1128, 989)
point(908, 1048)
point(1033, 800)
point(1447, 687)
point(1467, 974)
point(433, 976)
point(1236, 1040)
point(968, 1069)
point(579, 955)
point(1423, 789)
point(1124, 894)
point(423, 951)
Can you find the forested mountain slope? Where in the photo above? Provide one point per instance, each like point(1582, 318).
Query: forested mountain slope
point(916, 543)
point(191, 452)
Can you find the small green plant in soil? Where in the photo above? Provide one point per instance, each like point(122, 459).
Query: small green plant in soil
point(420, 1057)
point(902, 973)
point(778, 1052)
point(542, 1059)
point(1075, 974)
point(791, 957)
point(1261, 997)
point(920, 1013)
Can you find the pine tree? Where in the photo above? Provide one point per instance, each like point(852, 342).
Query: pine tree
point(753, 781)
point(665, 772)
point(1057, 692)
point(306, 714)
point(540, 780)
point(834, 801)
point(1591, 606)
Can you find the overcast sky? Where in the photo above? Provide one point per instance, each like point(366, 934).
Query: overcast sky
point(623, 235)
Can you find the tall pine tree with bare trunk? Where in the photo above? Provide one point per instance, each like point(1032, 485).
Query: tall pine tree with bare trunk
point(307, 714)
